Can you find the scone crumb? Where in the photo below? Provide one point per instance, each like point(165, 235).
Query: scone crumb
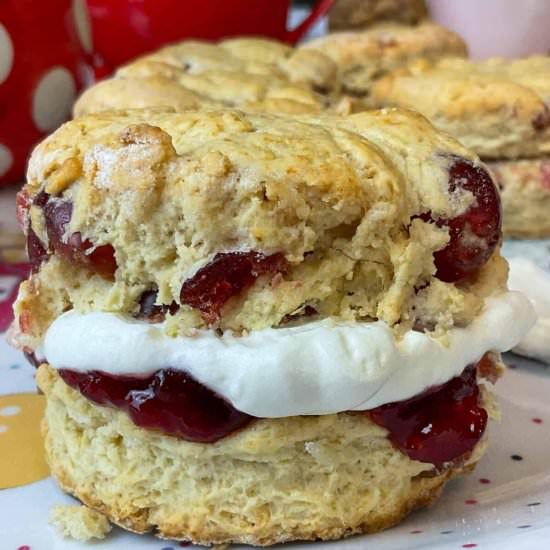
point(79, 522)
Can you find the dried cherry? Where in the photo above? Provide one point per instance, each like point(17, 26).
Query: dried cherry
point(101, 259)
point(227, 275)
point(168, 400)
point(474, 235)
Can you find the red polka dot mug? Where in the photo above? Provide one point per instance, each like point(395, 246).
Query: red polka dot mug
point(42, 68)
point(122, 29)
point(46, 46)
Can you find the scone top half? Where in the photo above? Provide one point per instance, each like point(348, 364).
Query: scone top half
point(225, 241)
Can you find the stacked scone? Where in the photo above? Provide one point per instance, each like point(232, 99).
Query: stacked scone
point(498, 108)
point(256, 328)
point(333, 73)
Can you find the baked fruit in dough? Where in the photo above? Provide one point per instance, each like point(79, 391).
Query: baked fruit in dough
point(121, 204)
point(257, 328)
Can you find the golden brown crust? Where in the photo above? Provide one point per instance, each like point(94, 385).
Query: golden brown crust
point(353, 14)
point(268, 76)
point(365, 56)
point(252, 73)
point(300, 478)
point(496, 107)
point(525, 193)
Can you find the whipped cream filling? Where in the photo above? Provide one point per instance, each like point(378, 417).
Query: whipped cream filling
point(320, 367)
point(527, 277)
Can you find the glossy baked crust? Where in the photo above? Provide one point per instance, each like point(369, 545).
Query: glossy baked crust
point(337, 197)
point(495, 107)
point(365, 56)
point(297, 478)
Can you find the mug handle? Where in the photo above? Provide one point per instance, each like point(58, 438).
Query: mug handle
point(320, 9)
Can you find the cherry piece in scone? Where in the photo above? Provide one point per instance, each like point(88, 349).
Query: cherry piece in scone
point(227, 275)
point(439, 426)
point(36, 251)
point(151, 312)
point(474, 235)
point(31, 357)
point(168, 400)
point(100, 259)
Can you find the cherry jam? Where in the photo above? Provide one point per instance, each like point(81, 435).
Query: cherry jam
point(168, 400)
point(439, 426)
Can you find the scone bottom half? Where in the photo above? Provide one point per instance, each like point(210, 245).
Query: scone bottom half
point(222, 222)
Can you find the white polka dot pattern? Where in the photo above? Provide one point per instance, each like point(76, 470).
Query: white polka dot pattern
point(53, 99)
point(6, 54)
point(10, 411)
point(83, 26)
point(6, 159)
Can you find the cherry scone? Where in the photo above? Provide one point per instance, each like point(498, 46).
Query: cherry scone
point(256, 329)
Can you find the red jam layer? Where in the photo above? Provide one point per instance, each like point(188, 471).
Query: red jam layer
point(169, 400)
point(438, 426)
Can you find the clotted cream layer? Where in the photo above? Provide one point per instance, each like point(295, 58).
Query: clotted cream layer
point(320, 367)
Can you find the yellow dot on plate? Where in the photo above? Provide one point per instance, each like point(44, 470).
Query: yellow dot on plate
point(21, 448)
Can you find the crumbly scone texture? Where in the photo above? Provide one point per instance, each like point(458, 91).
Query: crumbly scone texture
point(79, 522)
point(496, 107)
point(337, 196)
point(298, 478)
point(525, 194)
point(251, 73)
point(353, 14)
point(363, 57)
